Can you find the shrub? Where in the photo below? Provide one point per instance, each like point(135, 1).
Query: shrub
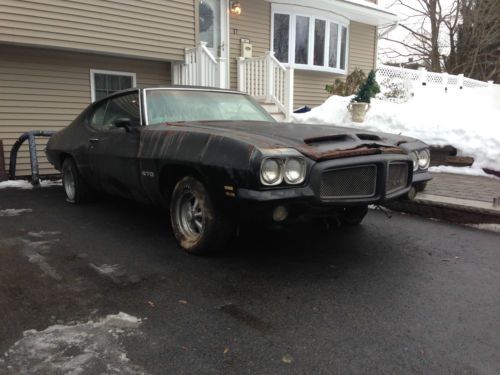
point(395, 90)
point(368, 89)
point(348, 87)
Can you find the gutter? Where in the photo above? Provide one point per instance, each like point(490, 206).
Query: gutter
point(392, 27)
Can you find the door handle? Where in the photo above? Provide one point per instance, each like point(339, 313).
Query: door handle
point(94, 140)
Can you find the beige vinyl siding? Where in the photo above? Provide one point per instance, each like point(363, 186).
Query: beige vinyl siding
point(254, 24)
point(46, 89)
point(310, 87)
point(155, 29)
point(362, 42)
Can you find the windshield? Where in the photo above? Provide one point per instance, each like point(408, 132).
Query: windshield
point(197, 105)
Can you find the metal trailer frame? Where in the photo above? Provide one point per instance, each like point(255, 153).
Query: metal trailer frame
point(31, 137)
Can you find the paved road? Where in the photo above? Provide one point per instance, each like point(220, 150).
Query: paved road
point(405, 295)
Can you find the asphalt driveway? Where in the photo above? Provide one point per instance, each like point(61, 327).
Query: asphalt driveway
point(400, 295)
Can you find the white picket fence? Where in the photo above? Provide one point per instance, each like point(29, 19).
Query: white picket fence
point(423, 77)
point(407, 81)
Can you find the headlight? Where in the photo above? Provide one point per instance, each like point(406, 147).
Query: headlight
point(415, 159)
point(424, 159)
point(271, 172)
point(295, 170)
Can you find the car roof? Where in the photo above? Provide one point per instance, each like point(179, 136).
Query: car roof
point(170, 87)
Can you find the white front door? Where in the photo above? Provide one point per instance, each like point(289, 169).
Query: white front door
point(213, 24)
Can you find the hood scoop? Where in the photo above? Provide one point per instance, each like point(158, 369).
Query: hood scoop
point(368, 137)
point(328, 139)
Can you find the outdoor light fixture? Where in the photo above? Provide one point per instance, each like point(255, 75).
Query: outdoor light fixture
point(235, 7)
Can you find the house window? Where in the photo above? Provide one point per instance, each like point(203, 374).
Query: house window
point(315, 41)
point(105, 82)
point(281, 36)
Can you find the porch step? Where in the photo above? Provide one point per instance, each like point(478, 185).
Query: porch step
point(274, 111)
point(270, 107)
point(280, 117)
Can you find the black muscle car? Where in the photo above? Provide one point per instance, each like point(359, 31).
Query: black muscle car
point(216, 157)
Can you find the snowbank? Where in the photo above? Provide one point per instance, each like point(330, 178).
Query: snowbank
point(461, 119)
point(24, 184)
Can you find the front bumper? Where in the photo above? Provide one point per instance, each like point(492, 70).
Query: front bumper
point(309, 193)
point(421, 177)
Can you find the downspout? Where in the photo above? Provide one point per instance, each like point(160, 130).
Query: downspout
point(393, 26)
point(387, 31)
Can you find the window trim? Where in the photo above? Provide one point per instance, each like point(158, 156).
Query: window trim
point(313, 14)
point(111, 73)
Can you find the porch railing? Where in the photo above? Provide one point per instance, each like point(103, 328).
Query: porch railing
point(266, 79)
point(200, 68)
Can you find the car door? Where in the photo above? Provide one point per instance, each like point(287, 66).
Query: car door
point(114, 144)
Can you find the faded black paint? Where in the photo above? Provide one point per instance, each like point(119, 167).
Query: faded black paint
point(221, 152)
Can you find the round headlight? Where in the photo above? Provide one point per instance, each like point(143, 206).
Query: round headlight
point(424, 159)
point(414, 158)
point(295, 170)
point(271, 172)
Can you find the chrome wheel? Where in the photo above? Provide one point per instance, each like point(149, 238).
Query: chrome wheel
point(69, 183)
point(190, 219)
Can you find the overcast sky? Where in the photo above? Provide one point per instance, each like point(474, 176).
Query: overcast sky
point(399, 33)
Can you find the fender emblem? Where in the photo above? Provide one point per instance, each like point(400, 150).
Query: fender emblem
point(148, 174)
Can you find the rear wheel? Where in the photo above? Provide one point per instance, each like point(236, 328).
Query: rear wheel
point(353, 216)
point(76, 189)
point(199, 226)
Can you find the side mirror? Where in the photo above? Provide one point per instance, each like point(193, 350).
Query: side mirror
point(124, 123)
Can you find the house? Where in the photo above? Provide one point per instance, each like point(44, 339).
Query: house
point(56, 56)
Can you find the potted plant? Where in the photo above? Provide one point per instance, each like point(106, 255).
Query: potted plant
point(361, 102)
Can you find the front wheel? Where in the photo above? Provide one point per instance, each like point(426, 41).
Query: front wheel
point(199, 226)
point(76, 188)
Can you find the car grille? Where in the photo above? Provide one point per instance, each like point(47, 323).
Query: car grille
point(351, 182)
point(397, 177)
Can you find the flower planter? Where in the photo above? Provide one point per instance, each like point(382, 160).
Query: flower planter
point(358, 111)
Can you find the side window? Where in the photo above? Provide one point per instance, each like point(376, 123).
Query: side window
point(97, 121)
point(107, 112)
point(124, 106)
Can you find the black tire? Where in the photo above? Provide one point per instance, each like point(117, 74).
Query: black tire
point(76, 188)
point(199, 226)
point(353, 216)
point(420, 186)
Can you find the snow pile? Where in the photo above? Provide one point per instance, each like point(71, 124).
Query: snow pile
point(464, 120)
point(24, 184)
point(89, 348)
point(9, 212)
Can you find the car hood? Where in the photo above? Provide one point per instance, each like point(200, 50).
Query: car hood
point(315, 141)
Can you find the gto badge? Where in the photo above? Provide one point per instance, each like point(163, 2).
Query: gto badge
point(148, 174)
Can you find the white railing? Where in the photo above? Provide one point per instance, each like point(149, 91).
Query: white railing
point(200, 68)
point(265, 78)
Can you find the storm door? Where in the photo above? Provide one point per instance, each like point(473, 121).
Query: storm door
point(213, 26)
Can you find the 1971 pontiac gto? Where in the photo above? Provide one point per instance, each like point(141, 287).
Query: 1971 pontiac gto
point(216, 157)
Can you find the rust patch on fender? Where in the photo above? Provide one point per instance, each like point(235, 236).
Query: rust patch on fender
point(358, 151)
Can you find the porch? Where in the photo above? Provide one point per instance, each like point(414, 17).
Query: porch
point(281, 53)
point(262, 77)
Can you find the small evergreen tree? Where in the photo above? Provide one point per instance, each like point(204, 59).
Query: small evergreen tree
point(368, 89)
